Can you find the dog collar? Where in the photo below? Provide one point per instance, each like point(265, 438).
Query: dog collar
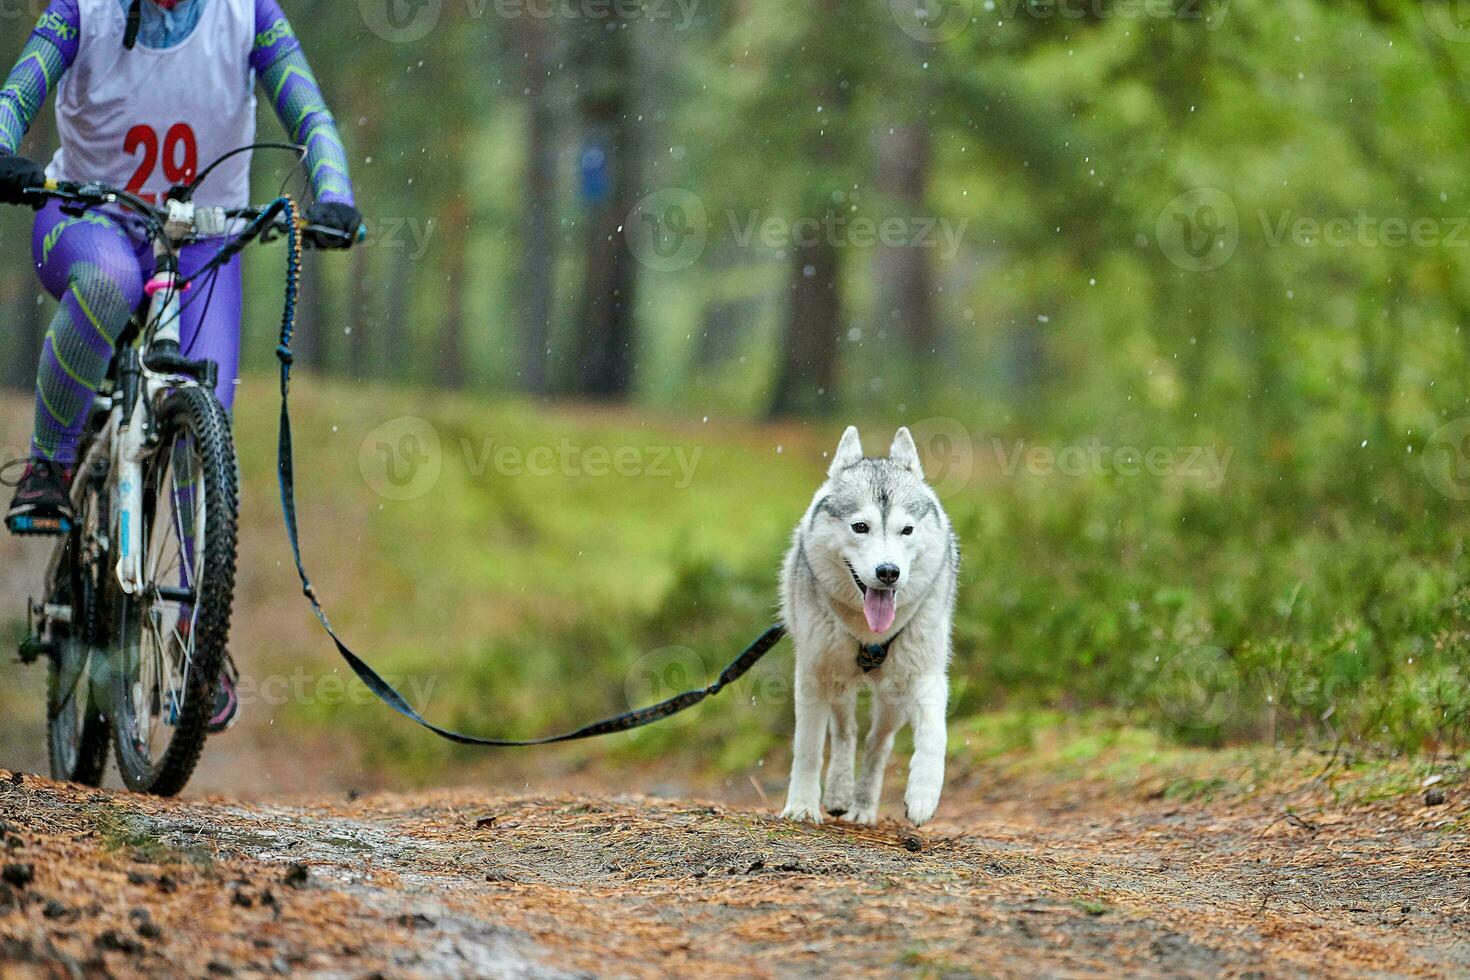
point(870, 656)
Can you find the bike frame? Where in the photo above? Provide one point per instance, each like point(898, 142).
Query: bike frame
point(130, 436)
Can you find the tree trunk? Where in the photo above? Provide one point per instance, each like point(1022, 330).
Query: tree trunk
point(806, 381)
point(311, 341)
point(451, 373)
point(806, 384)
point(905, 303)
point(396, 346)
point(360, 317)
point(536, 290)
point(605, 359)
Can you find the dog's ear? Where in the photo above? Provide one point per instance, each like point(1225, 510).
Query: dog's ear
point(849, 451)
point(905, 453)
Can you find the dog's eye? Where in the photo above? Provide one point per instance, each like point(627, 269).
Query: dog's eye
point(908, 529)
point(860, 528)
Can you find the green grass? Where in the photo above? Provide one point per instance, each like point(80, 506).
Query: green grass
point(1324, 607)
point(1190, 616)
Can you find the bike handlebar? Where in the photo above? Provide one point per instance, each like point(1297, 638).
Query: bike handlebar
point(99, 195)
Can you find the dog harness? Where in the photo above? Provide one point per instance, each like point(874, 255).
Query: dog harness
point(870, 656)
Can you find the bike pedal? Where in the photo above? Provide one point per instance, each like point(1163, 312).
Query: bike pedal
point(33, 648)
point(27, 526)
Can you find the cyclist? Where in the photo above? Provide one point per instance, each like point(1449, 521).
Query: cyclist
point(146, 90)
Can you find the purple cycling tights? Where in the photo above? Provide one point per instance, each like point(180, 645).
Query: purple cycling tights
point(96, 265)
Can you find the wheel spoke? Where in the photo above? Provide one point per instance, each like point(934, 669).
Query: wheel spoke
point(161, 695)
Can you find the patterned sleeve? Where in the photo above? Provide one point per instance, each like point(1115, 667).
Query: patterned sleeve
point(49, 52)
point(281, 66)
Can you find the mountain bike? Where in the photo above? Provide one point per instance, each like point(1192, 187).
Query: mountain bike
point(135, 614)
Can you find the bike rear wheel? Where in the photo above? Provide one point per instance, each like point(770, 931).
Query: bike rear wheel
point(169, 638)
point(76, 728)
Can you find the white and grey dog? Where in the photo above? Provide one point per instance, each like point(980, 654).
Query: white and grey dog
point(868, 593)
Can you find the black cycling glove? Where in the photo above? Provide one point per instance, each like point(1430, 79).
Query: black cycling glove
point(339, 217)
point(18, 174)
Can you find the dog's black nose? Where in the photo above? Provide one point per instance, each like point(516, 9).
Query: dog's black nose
point(887, 573)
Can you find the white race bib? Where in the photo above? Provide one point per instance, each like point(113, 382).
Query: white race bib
point(146, 119)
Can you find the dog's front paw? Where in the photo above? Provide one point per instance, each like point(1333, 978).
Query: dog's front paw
point(837, 800)
point(864, 813)
point(810, 812)
point(920, 804)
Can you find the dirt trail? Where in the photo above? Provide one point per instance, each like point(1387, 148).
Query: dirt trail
point(1070, 880)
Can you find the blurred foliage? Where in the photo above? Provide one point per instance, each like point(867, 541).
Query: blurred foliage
point(534, 602)
point(1319, 592)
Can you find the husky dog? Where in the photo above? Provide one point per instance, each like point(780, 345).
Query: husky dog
point(868, 593)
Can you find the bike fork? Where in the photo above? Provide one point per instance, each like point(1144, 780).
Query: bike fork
point(128, 446)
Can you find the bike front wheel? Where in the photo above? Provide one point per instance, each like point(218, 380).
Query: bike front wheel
point(170, 635)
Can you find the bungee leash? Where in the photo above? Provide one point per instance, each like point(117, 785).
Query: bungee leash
point(285, 472)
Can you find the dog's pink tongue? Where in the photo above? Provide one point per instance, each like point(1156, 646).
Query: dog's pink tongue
point(879, 609)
